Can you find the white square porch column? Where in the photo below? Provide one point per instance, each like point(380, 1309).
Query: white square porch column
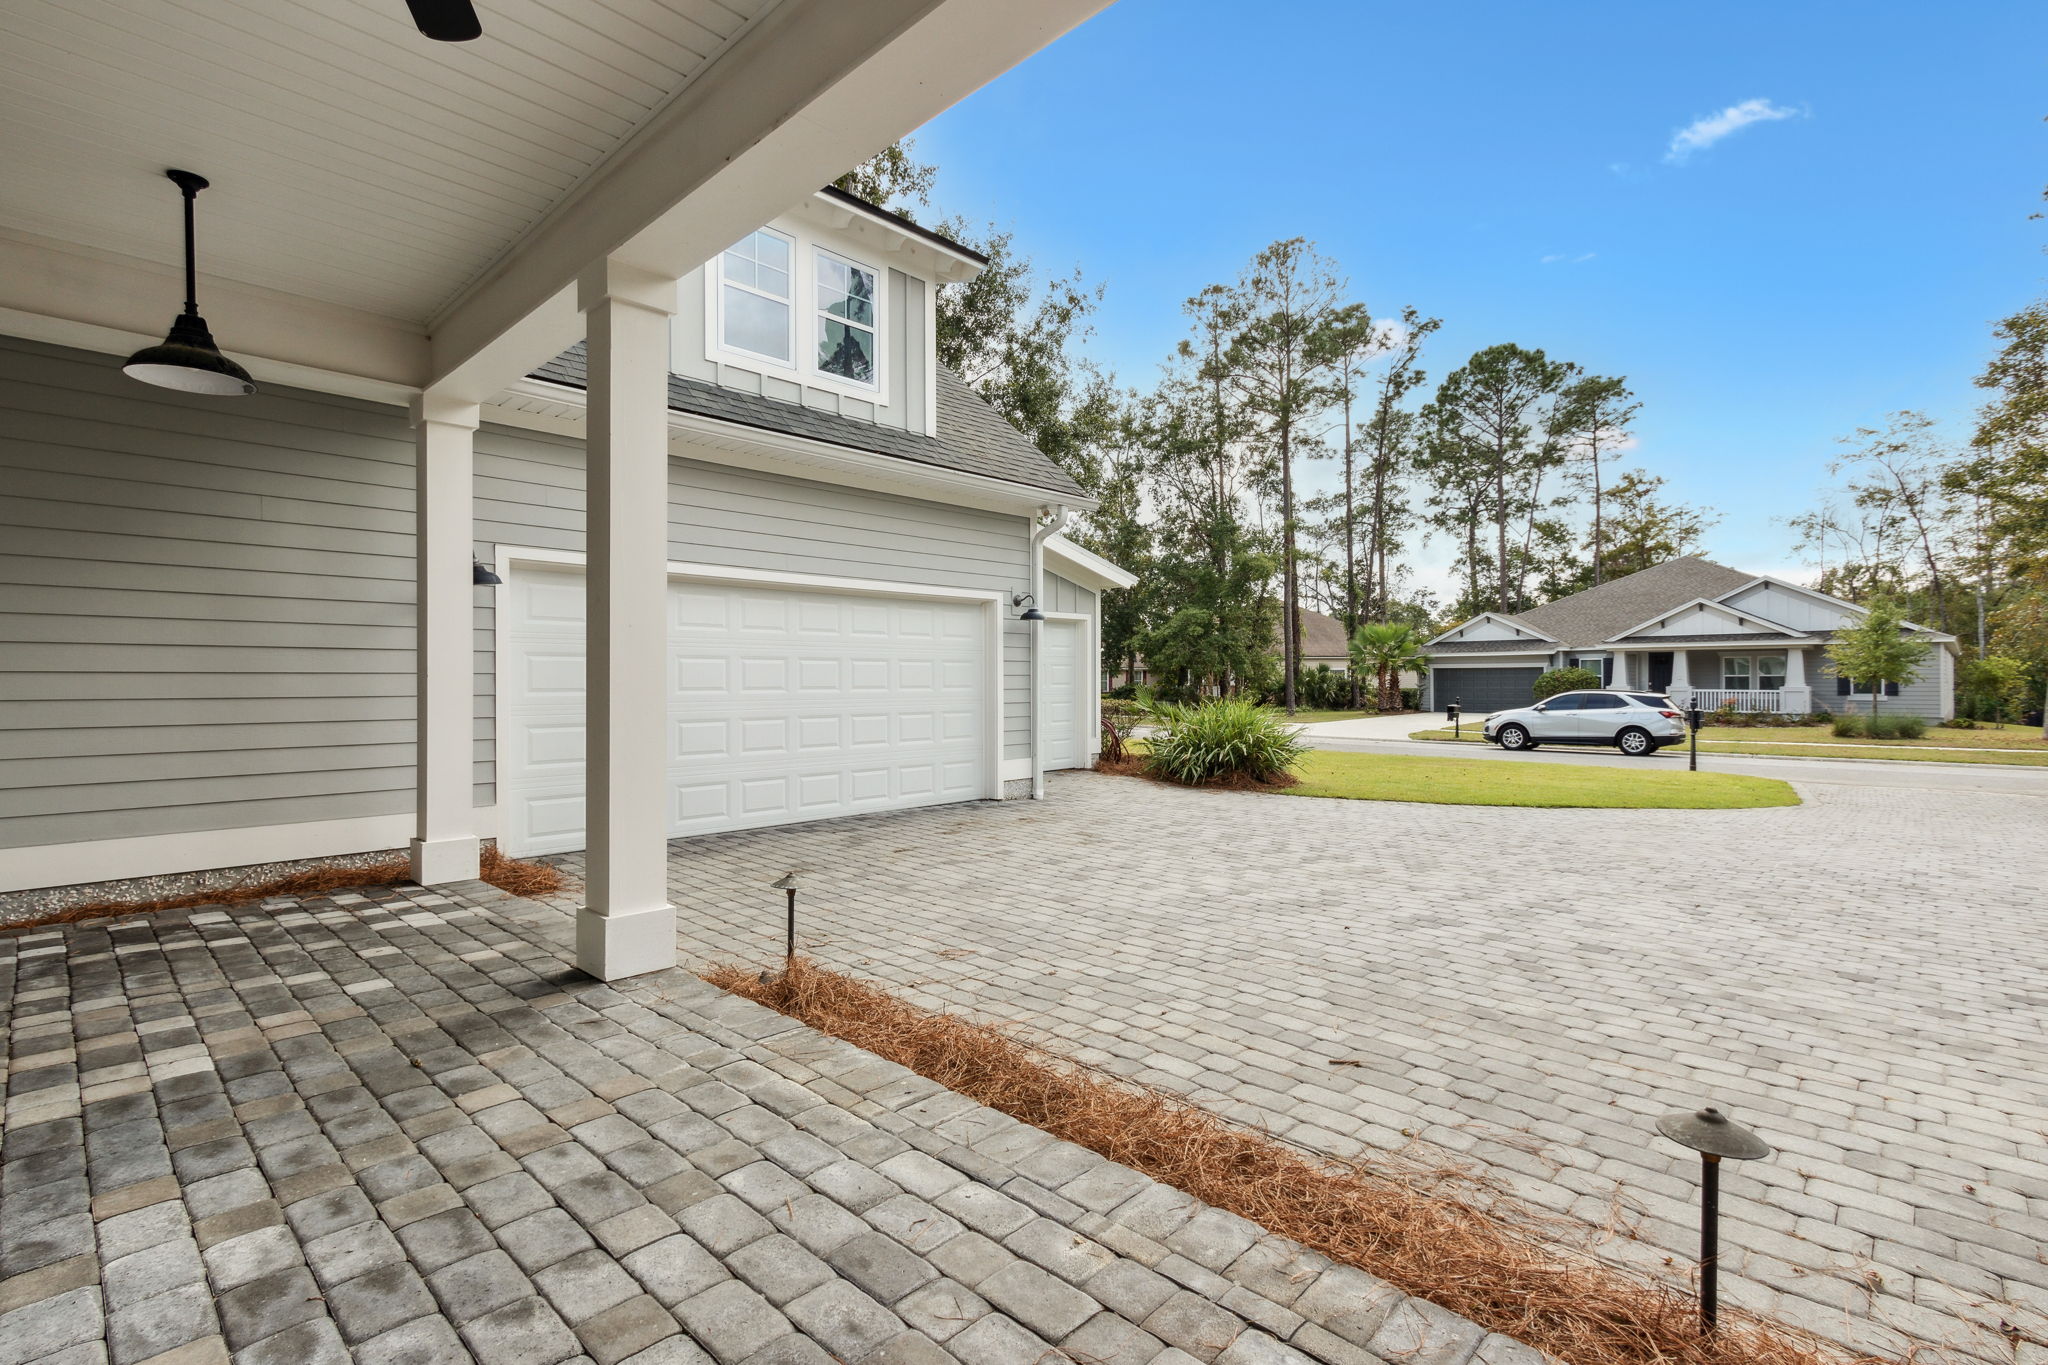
point(1681, 677)
point(627, 925)
point(444, 848)
point(1797, 696)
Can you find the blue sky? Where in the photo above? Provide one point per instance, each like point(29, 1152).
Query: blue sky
point(1832, 253)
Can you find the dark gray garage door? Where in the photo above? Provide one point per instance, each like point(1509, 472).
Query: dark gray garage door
point(1484, 689)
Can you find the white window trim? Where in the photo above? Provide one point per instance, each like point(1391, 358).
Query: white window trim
point(714, 273)
point(805, 323)
point(819, 317)
point(1755, 672)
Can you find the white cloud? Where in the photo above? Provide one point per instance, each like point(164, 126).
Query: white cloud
point(1568, 258)
point(1702, 133)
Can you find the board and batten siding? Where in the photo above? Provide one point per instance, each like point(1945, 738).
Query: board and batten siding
point(206, 609)
point(1065, 595)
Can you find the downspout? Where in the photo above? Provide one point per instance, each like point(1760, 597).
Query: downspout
point(1050, 521)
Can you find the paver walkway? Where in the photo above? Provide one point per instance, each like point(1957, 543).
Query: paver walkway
point(1863, 978)
point(397, 1129)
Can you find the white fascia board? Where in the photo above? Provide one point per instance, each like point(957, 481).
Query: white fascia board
point(1511, 622)
point(810, 88)
point(713, 441)
point(1086, 567)
point(102, 301)
point(878, 229)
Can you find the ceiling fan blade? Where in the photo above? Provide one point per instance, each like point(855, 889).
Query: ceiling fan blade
point(446, 21)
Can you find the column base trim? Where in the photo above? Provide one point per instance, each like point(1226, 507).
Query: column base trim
point(437, 862)
point(625, 942)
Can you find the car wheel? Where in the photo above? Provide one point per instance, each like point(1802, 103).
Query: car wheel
point(1635, 742)
point(1513, 737)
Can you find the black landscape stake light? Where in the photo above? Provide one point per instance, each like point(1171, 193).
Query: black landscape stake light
point(787, 883)
point(1694, 718)
point(1714, 1136)
point(186, 359)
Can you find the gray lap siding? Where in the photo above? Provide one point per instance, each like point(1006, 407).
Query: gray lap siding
point(206, 608)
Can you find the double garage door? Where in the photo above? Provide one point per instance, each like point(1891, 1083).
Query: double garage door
point(784, 704)
point(1480, 690)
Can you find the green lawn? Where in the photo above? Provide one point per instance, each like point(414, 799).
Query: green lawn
point(1304, 716)
point(1470, 782)
point(1815, 741)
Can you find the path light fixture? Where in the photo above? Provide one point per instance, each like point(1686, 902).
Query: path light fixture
point(1030, 613)
point(480, 574)
point(186, 359)
point(787, 883)
point(1715, 1137)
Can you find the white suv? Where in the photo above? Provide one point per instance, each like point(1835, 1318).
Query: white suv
point(1638, 723)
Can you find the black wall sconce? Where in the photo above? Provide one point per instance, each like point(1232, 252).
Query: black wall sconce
point(480, 574)
point(1030, 613)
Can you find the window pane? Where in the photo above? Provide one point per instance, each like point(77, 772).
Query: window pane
point(848, 352)
point(771, 251)
point(1770, 670)
point(755, 324)
point(1603, 702)
point(738, 267)
point(1570, 701)
point(769, 280)
point(1645, 699)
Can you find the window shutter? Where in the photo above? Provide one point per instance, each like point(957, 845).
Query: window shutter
point(1891, 689)
point(1841, 686)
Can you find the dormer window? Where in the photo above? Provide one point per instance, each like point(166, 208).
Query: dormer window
point(846, 319)
point(755, 297)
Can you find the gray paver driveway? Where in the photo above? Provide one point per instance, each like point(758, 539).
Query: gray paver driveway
point(1861, 978)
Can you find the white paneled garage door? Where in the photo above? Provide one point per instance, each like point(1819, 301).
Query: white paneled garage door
point(784, 704)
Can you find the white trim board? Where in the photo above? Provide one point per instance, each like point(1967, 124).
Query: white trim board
point(157, 855)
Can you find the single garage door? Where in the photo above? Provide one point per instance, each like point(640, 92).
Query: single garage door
point(1480, 690)
point(1065, 708)
point(784, 704)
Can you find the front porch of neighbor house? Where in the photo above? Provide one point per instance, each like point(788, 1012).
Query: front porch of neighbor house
point(1733, 674)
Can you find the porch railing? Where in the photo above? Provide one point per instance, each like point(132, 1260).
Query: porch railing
point(1747, 699)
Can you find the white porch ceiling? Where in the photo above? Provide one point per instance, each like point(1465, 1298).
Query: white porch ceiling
point(353, 160)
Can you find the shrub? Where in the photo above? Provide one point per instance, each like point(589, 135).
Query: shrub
point(1411, 699)
point(1224, 739)
point(1959, 723)
point(1125, 692)
point(1855, 725)
point(1565, 680)
point(1322, 688)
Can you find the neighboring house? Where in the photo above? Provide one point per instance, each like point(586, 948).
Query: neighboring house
point(1323, 643)
point(1691, 628)
point(211, 645)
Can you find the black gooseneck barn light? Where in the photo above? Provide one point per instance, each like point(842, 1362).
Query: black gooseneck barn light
point(187, 359)
point(1030, 613)
point(480, 574)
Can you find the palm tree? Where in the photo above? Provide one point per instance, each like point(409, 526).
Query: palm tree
point(1388, 649)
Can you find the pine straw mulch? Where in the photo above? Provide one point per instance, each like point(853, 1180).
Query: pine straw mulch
point(1430, 1246)
point(508, 874)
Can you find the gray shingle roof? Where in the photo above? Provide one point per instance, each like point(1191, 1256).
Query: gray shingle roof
point(1322, 637)
point(1599, 614)
point(973, 438)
